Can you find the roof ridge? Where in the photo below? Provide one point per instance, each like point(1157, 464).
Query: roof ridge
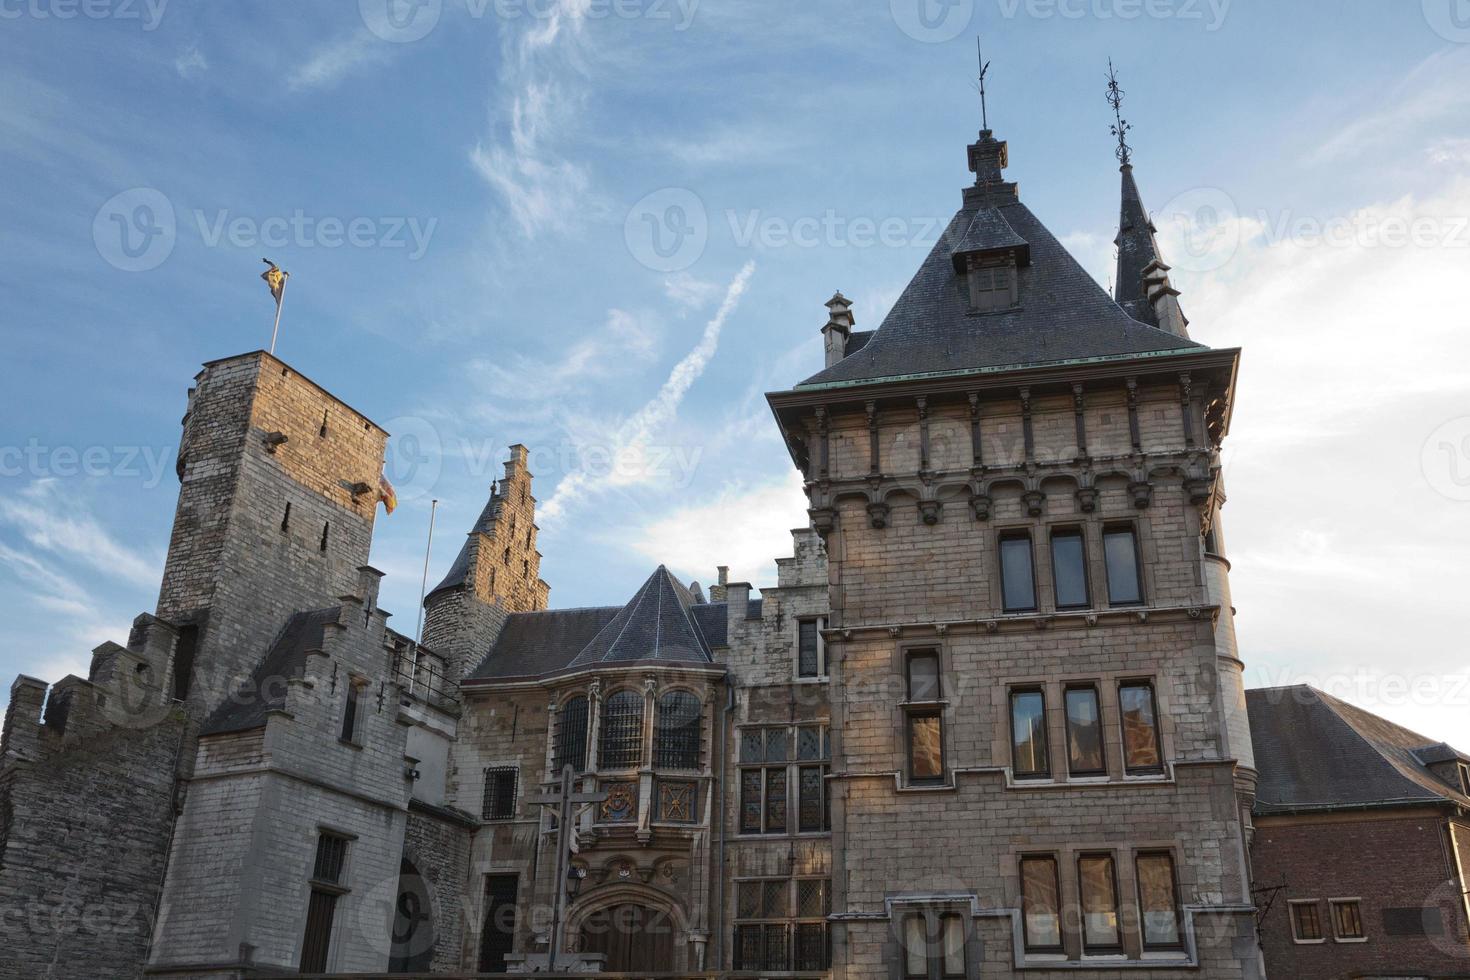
point(1333, 704)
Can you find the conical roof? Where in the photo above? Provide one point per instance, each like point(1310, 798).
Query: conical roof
point(655, 625)
point(1062, 313)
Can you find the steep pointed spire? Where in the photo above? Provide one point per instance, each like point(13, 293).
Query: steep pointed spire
point(1142, 285)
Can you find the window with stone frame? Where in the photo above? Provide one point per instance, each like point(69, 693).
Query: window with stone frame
point(811, 649)
point(1306, 921)
point(351, 712)
point(326, 887)
point(779, 764)
point(1347, 920)
point(1125, 571)
point(571, 735)
point(933, 944)
point(924, 716)
point(1097, 879)
point(781, 924)
point(1017, 572)
point(1041, 903)
point(1030, 756)
point(1085, 754)
point(676, 731)
point(1069, 568)
point(620, 743)
point(1158, 900)
point(499, 798)
point(1143, 753)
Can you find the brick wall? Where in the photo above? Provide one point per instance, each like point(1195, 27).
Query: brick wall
point(1400, 860)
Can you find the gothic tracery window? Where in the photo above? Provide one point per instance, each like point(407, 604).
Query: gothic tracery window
point(621, 739)
point(676, 731)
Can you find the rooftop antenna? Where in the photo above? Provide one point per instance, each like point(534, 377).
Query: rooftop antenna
point(1120, 125)
point(984, 70)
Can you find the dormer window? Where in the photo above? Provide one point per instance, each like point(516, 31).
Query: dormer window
point(992, 286)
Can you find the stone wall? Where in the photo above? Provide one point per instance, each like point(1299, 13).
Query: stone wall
point(85, 811)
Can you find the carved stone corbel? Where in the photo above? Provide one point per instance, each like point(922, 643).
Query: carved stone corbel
point(1200, 489)
point(1142, 492)
point(1035, 502)
point(823, 519)
point(929, 511)
point(878, 514)
point(1087, 499)
point(981, 503)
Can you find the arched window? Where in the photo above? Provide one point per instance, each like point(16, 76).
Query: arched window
point(621, 742)
point(676, 733)
point(571, 735)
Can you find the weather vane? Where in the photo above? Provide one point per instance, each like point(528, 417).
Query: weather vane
point(984, 69)
point(1120, 127)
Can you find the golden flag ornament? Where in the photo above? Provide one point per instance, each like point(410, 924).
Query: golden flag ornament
point(275, 277)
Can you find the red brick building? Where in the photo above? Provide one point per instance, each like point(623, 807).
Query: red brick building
point(1361, 852)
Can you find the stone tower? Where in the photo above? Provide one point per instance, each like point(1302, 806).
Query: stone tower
point(1029, 640)
point(497, 572)
point(278, 489)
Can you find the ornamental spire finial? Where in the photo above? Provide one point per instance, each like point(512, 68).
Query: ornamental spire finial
point(1120, 125)
point(984, 70)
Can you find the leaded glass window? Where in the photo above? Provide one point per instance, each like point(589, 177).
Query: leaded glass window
point(676, 731)
point(769, 776)
point(781, 924)
point(571, 735)
point(809, 659)
point(621, 741)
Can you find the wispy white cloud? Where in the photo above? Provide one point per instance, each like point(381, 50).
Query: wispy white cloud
point(523, 158)
point(630, 441)
point(624, 339)
point(686, 290)
point(1438, 87)
point(50, 521)
point(335, 60)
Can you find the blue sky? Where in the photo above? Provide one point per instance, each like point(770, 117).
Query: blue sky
point(604, 229)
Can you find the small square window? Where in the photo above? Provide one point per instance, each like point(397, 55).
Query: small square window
point(499, 802)
point(1306, 921)
point(1347, 920)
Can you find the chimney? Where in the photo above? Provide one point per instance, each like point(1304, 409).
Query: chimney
point(737, 608)
point(839, 327)
point(717, 592)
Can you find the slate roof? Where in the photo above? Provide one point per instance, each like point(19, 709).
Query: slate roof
point(461, 567)
point(660, 624)
point(988, 232)
point(1314, 753)
point(247, 707)
point(1063, 314)
point(1138, 248)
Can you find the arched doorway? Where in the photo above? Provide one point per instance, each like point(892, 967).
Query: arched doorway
point(635, 938)
point(413, 923)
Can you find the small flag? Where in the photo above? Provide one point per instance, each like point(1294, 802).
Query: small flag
point(387, 494)
point(275, 277)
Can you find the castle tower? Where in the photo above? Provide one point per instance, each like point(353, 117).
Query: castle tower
point(497, 572)
point(1030, 660)
point(278, 490)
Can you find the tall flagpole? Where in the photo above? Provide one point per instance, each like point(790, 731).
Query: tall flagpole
point(277, 328)
point(423, 588)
